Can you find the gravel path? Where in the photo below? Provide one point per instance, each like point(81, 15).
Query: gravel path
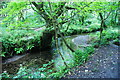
point(102, 64)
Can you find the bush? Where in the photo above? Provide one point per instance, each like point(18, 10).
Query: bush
point(77, 29)
point(89, 49)
point(82, 56)
point(34, 72)
point(19, 41)
point(107, 36)
point(94, 26)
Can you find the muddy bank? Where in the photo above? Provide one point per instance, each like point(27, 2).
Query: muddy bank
point(105, 55)
point(12, 65)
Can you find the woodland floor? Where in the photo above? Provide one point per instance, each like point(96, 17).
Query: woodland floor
point(103, 63)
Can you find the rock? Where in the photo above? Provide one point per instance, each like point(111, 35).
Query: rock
point(86, 70)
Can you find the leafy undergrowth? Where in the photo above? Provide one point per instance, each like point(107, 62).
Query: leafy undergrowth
point(78, 29)
point(47, 70)
point(19, 41)
point(44, 72)
point(82, 56)
point(108, 35)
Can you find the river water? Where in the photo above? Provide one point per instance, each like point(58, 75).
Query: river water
point(37, 59)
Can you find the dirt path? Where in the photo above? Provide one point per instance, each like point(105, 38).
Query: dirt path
point(102, 64)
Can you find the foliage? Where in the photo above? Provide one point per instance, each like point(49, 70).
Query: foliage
point(108, 35)
point(77, 29)
point(46, 71)
point(13, 10)
point(94, 27)
point(82, 56)
point(80, 17)
point(19, 16)
point(116, 41)
point(89, 49)
point(4, 75)
point(19, 41)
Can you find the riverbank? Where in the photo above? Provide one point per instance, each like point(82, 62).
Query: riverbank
point(104, 63)
point(75, 41)
point(12, 65)
point(22, 41)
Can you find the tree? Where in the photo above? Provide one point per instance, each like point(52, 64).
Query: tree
point(103, 8)
point(12, 11)
point(52, 16)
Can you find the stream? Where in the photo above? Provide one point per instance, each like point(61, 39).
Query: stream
point(37, 59)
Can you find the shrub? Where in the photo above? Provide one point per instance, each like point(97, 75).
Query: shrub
point(107, 36)
point(80, 56)
point(19, 41)
point(94, 26)
point(89, 49)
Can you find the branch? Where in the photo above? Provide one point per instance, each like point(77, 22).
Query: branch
point(39, 7)
point(68, 19)
point(108, 15)
point(67, 7)
point(66, 42)
point(41, 10)
point(33, 8)
point(60, 9)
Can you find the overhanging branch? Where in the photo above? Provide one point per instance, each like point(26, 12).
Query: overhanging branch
point(68, 19)
point(42, 12)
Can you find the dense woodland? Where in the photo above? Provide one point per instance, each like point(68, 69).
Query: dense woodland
point(30, 27)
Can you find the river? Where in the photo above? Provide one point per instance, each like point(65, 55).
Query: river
point(39, 58)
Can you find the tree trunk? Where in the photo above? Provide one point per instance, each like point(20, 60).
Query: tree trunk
point(56, 39)
point(82, 19)
point(119, 13)
point(66, 43)
point(102, 20)
point(101, 26)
